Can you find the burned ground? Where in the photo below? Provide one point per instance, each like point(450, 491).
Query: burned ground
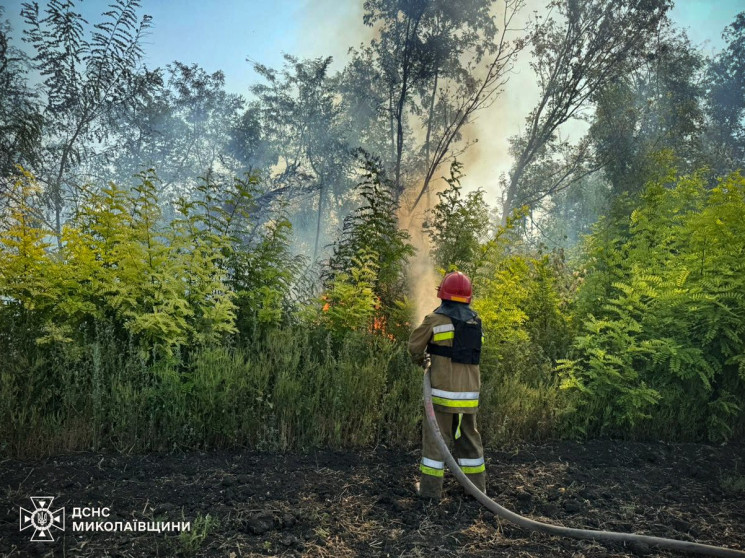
point(362, 504)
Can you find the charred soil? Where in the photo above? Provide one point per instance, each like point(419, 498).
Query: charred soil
point(363, 504)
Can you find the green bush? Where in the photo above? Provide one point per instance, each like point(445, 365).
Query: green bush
point(137, 336)
point(663, 312)
point(291, 390)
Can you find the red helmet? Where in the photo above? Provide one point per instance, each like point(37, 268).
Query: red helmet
point(455, 286)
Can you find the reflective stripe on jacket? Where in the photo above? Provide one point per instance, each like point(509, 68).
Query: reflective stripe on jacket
point(455, 386)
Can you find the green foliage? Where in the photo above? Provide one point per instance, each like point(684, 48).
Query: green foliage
point(456, 226)
point(260, 265)
point(22, 249)
point(262, 277)
point(20, 118)
point(725, 100)
point(373, 228)
point(163, 285)
point(300, 118)
point(291, 389)
point(549, 290)
point(155, 290)
point(525, 321)
point(91, 74)
point(132, 318)
point(611, 390)
point(656, 106)
point(590, 47)
point(191, 541)
point(200, 262)
point(420, 66)
point(367, 269)
point(517, 295)
point(350, 303)
point(125, 331)
point(142, 332)
point(662, 311)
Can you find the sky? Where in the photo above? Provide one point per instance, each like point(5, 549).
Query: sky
point(704, 20)
point(223, 34)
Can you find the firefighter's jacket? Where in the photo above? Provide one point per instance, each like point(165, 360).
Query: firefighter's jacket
point(455, 385)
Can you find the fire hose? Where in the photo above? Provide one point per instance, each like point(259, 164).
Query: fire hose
point(532, 525)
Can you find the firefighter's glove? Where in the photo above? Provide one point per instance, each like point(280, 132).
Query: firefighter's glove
point(426, 362)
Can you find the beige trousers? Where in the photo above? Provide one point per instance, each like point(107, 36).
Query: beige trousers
point(459, 431)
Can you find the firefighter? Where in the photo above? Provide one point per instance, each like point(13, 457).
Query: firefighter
point(451, 337)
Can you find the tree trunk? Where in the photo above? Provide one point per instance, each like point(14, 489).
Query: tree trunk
point(405, 71)
point(321, 193)
point(509, 199)
point(430, 121)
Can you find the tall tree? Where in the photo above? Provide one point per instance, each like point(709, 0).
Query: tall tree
point(658, 106)
point(300, 120)
point(469, 89)
point(427, 54)
point(370, 235)
point(84, 80)
point(182, 129)
point(726, 100)
point(577, 49)
point(20, 119)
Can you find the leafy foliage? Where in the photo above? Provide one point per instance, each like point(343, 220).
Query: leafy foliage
point(303, 131)
point(169, 285)
point(117, 263)
point(350, 303)
point(656, 105)
point(154, 312)
point(456, 226)
point(725, 100)
point(576, 55)
point(663, 350)
point(20, 121)
point(86, 81)
point(372, 250)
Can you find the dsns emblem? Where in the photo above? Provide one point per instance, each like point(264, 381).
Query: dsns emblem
point(42, 519)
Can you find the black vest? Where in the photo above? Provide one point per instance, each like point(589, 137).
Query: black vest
point(467, 337)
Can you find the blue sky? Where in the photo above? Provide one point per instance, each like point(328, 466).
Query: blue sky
point(704, 20)
point(222, 34)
